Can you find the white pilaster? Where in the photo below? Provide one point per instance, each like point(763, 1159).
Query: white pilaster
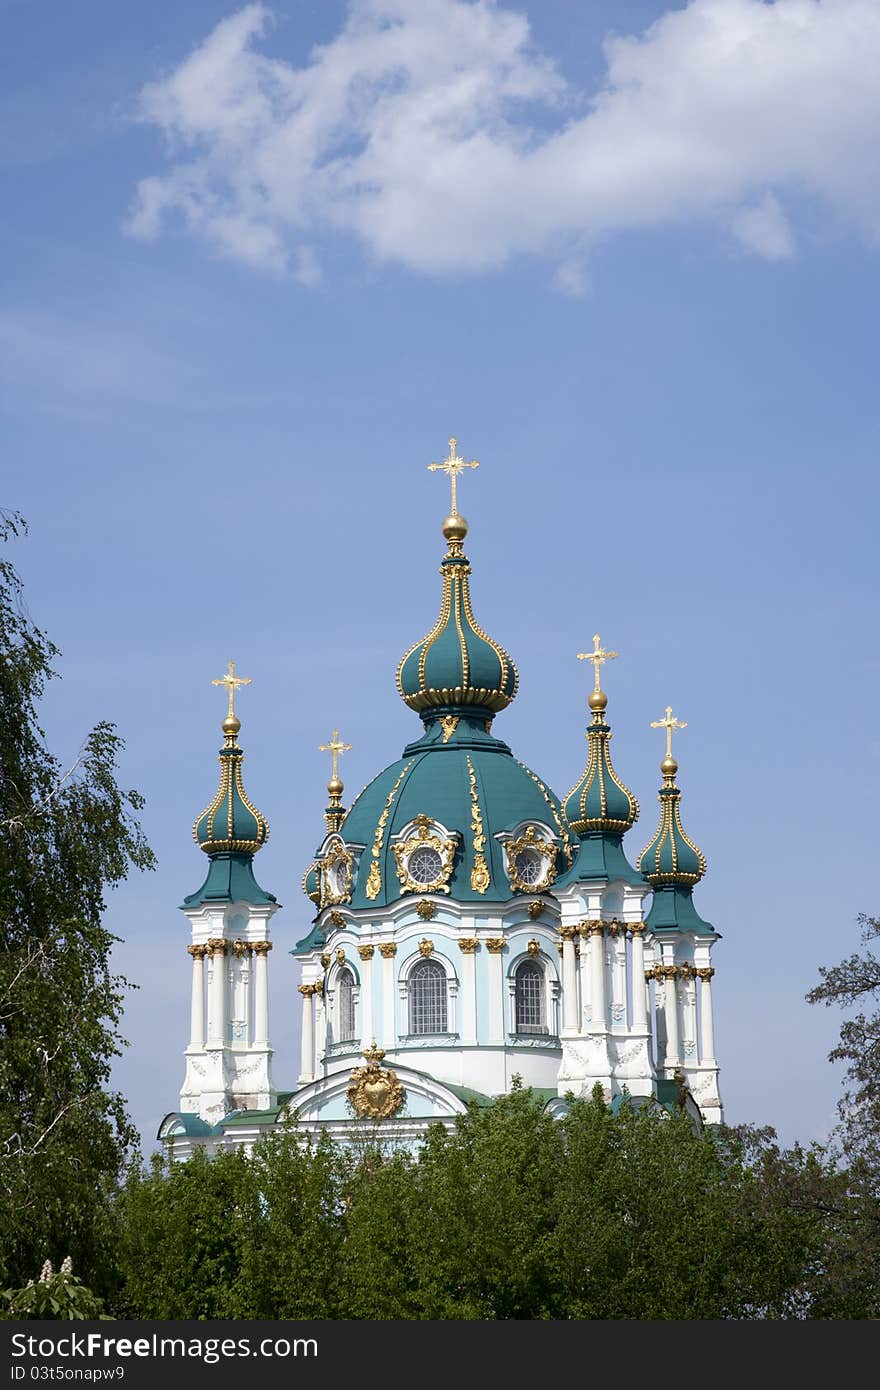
point(197, 1001)
point(307, 1036)
point(468, 946)
point(261, 993)
point(388, 1040)
point(494, 947)
point(366, 1025)
point(570, 1009)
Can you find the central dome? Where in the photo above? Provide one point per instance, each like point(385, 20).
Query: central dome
point(469, 782)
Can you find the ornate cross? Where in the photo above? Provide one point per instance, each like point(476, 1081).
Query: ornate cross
point(598, 655)
point(232, 681)
point(452, 467)
point(335, 747)
point(668, 723)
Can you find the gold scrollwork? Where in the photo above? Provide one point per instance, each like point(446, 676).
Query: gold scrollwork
point(449, 724)
point(340, 956)
point(325, 960)
point(366, 952)
point(197, 952)
point(706, 972)
point(337, 872)
point(533, 947)
point(426, 910)
point(387, 949)
point(568, 933)
point(468, 945)
point(426, 947)
point(535, 910)
point(530, 841)
point(375, 1092)
point(337, 919)
point(425, 837)
point(374, 878)
point(495, 945)
point(480, 876)
point(262, 948)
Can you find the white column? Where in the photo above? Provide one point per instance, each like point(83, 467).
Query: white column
point(619, 1009)
point(688, 997)
point(367, 1029)
point(261, 993)
point(495, 945)
point(707, 1031)
point(217, 1001)
point(569, 981)
point(582, 959)
point(307, 1045)
point(468, 946)
point(320, 1024)
point(639, 983)
point(673, 1048)
point(388, 950)
point(597, 977)
point(197, 1002)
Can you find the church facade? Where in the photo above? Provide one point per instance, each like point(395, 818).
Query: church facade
point(468, 926)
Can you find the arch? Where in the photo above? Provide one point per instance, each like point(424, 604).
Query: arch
point(427, 998)
point(345, 1008)
point(530, 998)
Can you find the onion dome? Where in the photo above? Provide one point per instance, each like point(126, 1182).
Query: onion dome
point(231, 830)
point(457, 665)
point(599, 808)
point(672, 863)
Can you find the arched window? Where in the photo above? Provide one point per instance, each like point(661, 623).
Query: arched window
point(346, 1019)
point(531, 1016)
point(427, 998)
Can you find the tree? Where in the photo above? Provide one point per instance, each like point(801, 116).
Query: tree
point(854, 981)
point(67, 836)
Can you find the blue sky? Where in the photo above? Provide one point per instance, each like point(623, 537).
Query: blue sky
point(627, 254)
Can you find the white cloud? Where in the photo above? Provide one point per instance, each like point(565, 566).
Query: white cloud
point(434, 132)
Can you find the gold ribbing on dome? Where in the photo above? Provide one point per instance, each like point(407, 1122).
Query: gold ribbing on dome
point(669, 766)
point(335, 813)
point(454, 527)
point(231, 724)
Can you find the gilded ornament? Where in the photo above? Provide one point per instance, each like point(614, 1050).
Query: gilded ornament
point(530, 842)
point(568, 933)
point(534, 947)
point(561, 825)
point(217, 946)
point(495, 945)
point(325, 960)
point(306, 991)
point(366, 952)
point(706, 972)
point(241, 948)
point(535, 910)
point(480, 877)
point(387, 949)
point(337, 919)
point(449, 724)
point(426, 909)
point(340, 956)
point(318, 987)
point(337, 870)
point(197, 952)
point(262, 948)
point(375, 1092)
point(425, 837)
point(468, 945)
point(374, 878)
point(426, 947)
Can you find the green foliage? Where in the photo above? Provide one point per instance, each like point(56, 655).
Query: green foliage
point(59, 1296)
point(511, 1214)
point(67, 836)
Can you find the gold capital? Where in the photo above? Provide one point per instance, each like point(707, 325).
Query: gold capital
point(668, 722)
point(598, 656)
point(231, 681)
point(197, 952)
point(468, 945)
point(366, 952)
point(452, 466)
point(495, 945)
point(387, 949)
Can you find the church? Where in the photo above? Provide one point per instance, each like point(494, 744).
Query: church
point(468, 926)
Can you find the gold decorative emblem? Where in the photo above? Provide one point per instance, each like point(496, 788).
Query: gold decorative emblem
point(375, 1092)
point(449, 724)
point(340, 956)
point(535, 910)
point(374, 878)
point(337, 919)
point(325, 960)
point(424, 858)
point(534, 947)
point(426, 910)
point(426, 947)
point(480, 878)
point(337, 869)
point(530, 861)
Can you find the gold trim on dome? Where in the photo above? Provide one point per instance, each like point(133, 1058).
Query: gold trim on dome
point(598, 763)
point(336, 854)
point(504, 659)
point(375, 1092)
point(480, 876)
point(561, 823)
point(449, 724)
point(374, 879)
point(530, 839)
point(230, 780)
point(425, 836)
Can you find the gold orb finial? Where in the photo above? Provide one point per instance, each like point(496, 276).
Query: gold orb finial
point(454, 529)
point(335, 787)
point(231, 725)
point(669, 767)
point(597, 700)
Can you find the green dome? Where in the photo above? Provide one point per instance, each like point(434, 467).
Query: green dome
point(599, 801)
point(456, 664)
point(230, 822)
point(671, 857)
point(459, 775)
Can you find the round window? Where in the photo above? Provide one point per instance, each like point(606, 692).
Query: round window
point(424, 865)
point(529, 865)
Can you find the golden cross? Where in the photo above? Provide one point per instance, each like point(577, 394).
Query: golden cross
point(231, 680)
point(335, 746)
point(598, 655)
point(452, 467)
point(668, 723)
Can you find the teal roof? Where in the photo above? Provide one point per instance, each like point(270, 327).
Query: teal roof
point(673, 909)
point(230, 879)
point(600, 809)
point(457, 664)
point(459, 774)
point(600, 855)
